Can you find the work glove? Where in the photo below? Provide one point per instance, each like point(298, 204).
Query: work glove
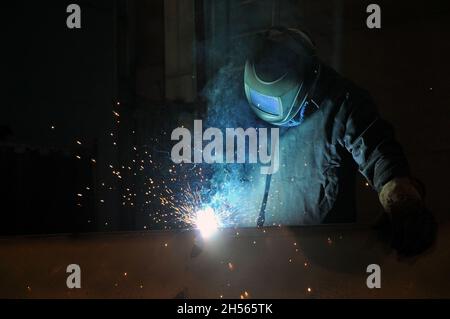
point(413, 228)
point(410, 227)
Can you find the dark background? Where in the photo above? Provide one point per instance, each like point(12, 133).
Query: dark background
point(149, 62)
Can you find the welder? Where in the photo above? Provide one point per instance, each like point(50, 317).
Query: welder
point(329, 130)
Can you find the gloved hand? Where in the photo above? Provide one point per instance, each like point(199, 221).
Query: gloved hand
point(413, 228)
point(407, 223)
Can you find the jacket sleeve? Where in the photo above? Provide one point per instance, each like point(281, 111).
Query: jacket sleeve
point(371, 141)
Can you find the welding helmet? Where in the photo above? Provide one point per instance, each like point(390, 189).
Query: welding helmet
point(280, 76)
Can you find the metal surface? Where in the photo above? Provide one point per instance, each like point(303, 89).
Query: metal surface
point(265, 263)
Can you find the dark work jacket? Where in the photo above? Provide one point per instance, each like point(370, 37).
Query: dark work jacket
point(319, 158)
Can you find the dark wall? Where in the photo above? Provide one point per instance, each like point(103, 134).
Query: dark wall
point(56, 76)
point(58, 88)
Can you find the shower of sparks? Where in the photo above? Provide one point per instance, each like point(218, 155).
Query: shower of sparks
point(166, 195)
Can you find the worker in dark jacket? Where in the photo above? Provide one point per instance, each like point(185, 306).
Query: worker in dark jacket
point(329, 129)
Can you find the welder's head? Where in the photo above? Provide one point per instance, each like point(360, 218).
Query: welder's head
point(280, 76)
